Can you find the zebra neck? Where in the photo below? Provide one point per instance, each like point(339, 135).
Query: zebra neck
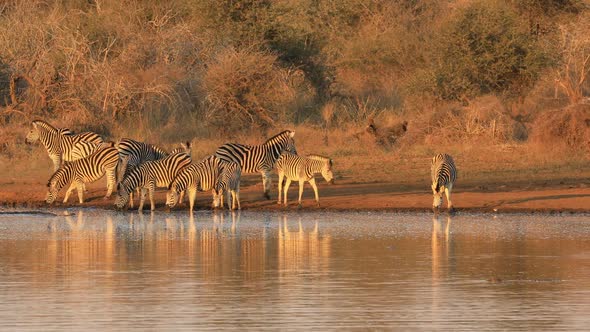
point(181, 182)
point(132, 181)
point(62, 176)
point(315, 166)
point(275, 148)
point(50, 136)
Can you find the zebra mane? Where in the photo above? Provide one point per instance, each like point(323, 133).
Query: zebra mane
point(44, 125)
point(280, 135)
point(65, 131)
point(320, 158)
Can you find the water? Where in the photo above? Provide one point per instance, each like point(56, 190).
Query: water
point(293, 270)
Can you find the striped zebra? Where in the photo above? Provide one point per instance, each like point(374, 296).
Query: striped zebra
point(259, 158)
point(83, 149)
point(148, 176)
point(58, 142)
point(202, 176)
point(133, 153)
point(85, 170)
point(228, 185)
point(443, 173)
point(297, 168)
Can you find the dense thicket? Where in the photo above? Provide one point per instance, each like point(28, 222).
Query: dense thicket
point(240, 64)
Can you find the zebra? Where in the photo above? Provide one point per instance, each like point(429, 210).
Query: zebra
point(443, 173)
point(228, 185)
point(83, 149)
point(85, 170)
point(148, 176)
point(259, 158)
point(297, 168)
point(133, 153)
point(202, 176)
point(58, 142)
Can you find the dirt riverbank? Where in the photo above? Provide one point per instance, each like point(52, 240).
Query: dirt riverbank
point(543, 197)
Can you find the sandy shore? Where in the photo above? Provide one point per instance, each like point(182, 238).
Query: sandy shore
point(347, 197)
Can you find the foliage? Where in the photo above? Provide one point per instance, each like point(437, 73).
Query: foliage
point(484, 49)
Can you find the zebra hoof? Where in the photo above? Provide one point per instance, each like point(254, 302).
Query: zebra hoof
point(452, 210)
point(266, 196)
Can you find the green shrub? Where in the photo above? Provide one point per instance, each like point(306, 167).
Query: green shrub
point(486, 48)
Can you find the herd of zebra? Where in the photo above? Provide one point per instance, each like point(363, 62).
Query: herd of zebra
point(130, 165)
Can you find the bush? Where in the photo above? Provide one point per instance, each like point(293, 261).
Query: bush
point(568, 127)
point(485, 48)
point(246, 87)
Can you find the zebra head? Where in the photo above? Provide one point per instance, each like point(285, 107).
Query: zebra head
point(326, 166)
point(437, 195)
point(217, 198)
point(55, 183)
point(171, 197)
point(282, 141)
point(327, 172)
point(122, 196)
point(33, 135)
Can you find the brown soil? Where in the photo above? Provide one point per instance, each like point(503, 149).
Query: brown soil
point(544, 197)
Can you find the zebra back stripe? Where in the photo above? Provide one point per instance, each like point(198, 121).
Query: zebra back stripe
point(202, 175)
point(294, 166)
point(256, 158)
point(162, 172)
point(60, 141)
point(84, 170)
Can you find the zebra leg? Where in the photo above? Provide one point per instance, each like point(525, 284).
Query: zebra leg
point(111, 180)
point(266, 182)
point(69, 191)
point(315, 191)
point(231, 201)
point(142, 199)
point(281, 176)
point(181, 198)
point(80, 189)
point(448, 193)
point(286, 190)
point(236, 197)
point(301, 184)
point(131, 199)
point(192, 194)
point(151, 190)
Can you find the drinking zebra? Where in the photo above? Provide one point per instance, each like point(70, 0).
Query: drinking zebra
point(85, 170)
point(148, 176)
point(259, 158)
point(202, 176)
point(443, 173)
point(133, 153)
point(297, 168)
point(228, 185)
point(58, 142)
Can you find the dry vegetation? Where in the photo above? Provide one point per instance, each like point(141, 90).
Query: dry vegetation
point(501, 84)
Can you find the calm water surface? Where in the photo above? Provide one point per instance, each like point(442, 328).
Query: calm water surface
point(293, 270)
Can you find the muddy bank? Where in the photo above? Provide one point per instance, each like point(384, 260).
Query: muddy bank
point(345, 197)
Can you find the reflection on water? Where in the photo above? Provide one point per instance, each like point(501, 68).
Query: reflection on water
point(99, 269)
